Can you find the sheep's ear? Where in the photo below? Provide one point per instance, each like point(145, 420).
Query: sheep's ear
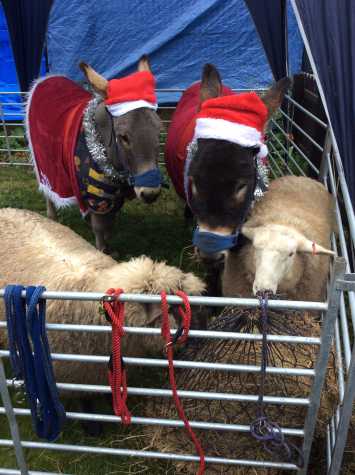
point(143, 64)
point(98, 82)
point(275, 95)
point(211, 84)
point(305, 245)
point(248, 232)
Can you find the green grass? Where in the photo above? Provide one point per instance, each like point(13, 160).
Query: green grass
point(157, 230)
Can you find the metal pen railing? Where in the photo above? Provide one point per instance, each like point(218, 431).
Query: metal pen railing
point(317, 377)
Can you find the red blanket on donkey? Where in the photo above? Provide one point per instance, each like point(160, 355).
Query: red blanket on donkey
point(180, 134)
point(53, 118)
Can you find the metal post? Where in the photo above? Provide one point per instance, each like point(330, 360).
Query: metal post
point(15, 434)
point(327, 336)
point(345, 416)
point(7, 141)
point(323, 171)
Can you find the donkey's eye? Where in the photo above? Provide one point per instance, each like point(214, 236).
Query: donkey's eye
point(240, 191)
point(291, 254)
point(125, 140)
point(240, 187)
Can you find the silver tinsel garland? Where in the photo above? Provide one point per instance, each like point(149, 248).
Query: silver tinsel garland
point(93, 141)
point(262, 178)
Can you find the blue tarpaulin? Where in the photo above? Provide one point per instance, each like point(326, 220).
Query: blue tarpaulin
point(179, 36)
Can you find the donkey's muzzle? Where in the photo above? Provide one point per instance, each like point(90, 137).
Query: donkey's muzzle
point(149, 195)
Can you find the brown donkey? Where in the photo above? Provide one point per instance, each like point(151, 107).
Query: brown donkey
point(95, 150)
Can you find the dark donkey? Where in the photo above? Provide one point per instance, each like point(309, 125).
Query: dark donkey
point(216, 159)
point(95, 150)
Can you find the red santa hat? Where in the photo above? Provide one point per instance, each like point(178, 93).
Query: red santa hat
point(131, 92)
point(238, 118)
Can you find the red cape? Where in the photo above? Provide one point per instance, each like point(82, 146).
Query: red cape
point(180, 134)
point(54, 117)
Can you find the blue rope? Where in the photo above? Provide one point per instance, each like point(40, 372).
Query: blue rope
point(30, 358)
point(262, 429)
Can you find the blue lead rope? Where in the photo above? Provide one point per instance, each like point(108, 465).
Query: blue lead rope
point(30, 358)
point(263, 429)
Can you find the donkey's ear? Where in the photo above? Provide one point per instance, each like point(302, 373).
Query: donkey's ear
point(98, 82)
point(274, 96)
point(211, 84)
point(143, 64)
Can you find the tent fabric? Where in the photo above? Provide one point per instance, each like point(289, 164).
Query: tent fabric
point(330, 30)
point(270, 21)
point(27, 24)
point(179, 36)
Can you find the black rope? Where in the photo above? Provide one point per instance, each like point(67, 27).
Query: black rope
point(262, 429)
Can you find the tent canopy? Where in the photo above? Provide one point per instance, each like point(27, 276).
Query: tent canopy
point(245, 39)
point(179, 37)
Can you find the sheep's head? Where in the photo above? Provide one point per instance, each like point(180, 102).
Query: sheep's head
point(277, 261)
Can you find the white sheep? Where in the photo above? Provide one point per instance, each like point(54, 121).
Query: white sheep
point(37, 251)
point(289, 232)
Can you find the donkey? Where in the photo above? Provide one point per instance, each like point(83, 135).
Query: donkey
point(98, 149)
point(215, 156)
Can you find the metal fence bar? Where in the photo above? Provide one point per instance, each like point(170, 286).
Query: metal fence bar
point(188, 394)
point(342, 239)
point(15, 434)
point(193, 333)
point(275, 164)
point(346, 196)
point(327, 147)
point(306, 111)
point(147, 454)
point(173, 299)
point(328, 447)
point(182, 393)
point(83, 416)
point(274, 136)
point(339, 361)
point(295, 146)
point(5, 132)
point(10, 471)
point(322, 360)
point(284, 162)
point(345, 418)
point(316, 144)
point(12, 136)
point(12, 164)
point(332, 432)
point(161, 363)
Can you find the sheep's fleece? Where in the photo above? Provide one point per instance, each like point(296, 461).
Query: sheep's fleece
point(302, 204)
point(37, 251)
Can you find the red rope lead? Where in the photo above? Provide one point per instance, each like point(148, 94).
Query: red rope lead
point(165, 331)
point(117, 374)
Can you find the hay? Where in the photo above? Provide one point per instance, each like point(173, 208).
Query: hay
point(235, 444)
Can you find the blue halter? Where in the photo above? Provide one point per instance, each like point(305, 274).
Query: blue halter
point(31, 360)
point(149, 179)
point(210, 243)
